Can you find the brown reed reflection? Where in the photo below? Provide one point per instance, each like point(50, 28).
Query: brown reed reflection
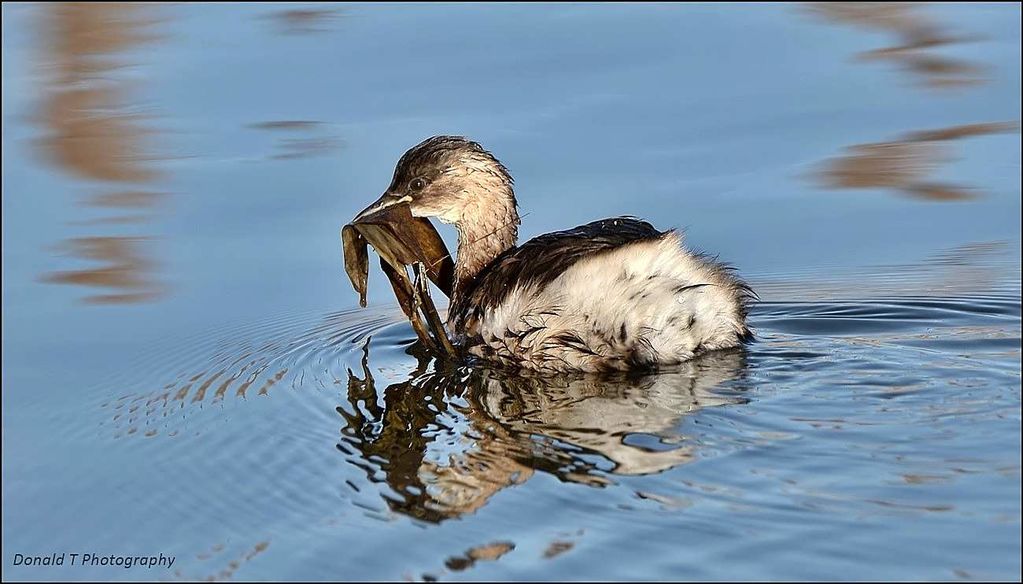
point(126, 268)
point(580, 430)
point(556, 548)
point(94, 132)
point(919, 40)
point(305, 20)
point(482, 553)
point(215, 556)
point(904, 164)
point(300, 138)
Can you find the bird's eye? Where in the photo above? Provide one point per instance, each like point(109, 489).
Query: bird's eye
point(417, 184)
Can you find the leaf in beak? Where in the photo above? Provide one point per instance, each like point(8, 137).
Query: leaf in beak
point(356, 256)
point(403, 240)
point(400, 239)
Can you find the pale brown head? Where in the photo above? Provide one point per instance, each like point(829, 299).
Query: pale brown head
point(451, 178)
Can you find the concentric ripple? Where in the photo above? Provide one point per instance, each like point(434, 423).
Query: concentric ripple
point(291, 351)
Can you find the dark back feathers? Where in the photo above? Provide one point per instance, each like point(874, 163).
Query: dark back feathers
point(542, 259)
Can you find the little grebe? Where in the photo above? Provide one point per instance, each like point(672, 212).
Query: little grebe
point(615, 294)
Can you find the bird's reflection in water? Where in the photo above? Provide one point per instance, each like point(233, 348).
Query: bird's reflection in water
point(445, 442)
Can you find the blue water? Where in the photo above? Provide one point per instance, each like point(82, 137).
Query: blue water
point(186, 371)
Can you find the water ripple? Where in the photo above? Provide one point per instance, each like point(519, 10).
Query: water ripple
point(435, 443)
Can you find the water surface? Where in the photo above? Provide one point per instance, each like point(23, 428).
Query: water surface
point(186, 371)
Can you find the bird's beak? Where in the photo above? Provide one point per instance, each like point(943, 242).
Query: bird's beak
point(375, 212)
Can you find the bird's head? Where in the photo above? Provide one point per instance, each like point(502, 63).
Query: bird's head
point(448, 177)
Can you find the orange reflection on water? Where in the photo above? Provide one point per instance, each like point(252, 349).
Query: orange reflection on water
point(95, 132)
point(904, 164)
point(918, 36)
